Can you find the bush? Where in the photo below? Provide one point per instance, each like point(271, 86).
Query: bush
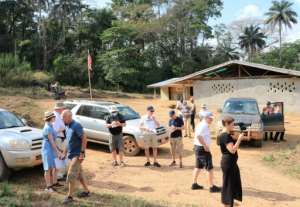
point(70, 70)
point(16, 73)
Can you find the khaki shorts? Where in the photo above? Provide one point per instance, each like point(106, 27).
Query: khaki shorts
point(150, 140)
point(177, 145)
point(74, 170)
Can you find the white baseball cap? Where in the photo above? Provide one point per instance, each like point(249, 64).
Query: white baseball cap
point(206, 114)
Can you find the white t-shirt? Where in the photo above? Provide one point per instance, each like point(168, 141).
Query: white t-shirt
point(148, 123)
point(202, 129)
point(58, 124)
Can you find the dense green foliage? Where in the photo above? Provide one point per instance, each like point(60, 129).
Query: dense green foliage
point(281, 14)
point(132, 43)
point(252, 40)
point(290, 56)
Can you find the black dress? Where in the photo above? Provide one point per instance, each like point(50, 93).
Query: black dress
point(232, 186)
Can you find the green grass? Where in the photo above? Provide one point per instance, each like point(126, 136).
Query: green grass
point(12, 195)
point(286, 160)
point(31, 92)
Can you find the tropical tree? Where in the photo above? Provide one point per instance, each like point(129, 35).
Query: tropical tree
point(281, 14)
point(252, 40)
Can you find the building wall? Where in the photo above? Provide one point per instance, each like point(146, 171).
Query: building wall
point(164, 93)
point(214, 93)
point(176, 93)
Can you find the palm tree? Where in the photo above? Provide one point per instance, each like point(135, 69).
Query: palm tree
point(252, 40)
point(281, 14)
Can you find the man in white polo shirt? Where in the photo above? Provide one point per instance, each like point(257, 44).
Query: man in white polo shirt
point(148, 125)
point(203, 156)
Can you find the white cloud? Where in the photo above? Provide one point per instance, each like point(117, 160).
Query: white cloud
point(293, 34)
point(98, 3)
point(250, 11)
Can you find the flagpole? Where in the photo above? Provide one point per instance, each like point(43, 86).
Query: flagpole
point(89, 74)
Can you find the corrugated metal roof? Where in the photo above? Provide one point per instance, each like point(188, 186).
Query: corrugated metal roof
point(238, 62)
point(163, 83)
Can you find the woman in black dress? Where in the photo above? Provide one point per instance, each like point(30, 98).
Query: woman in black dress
point(232, 186)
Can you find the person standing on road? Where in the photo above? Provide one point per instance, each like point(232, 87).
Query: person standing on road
point(203, 109)
point(178, 107)
point(203, 155)
point(115, 123)
point(193, 113)
point(186, 114)
point(59, 127)
point(50, 152)
point(75, 152)
point(176, 126)
point(148, 126)
point(232, 185)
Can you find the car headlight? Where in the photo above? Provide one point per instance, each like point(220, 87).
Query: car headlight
point(18, 144)
point(257, 125)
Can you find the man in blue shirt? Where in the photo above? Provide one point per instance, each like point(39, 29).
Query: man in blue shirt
point(75, 152)
point(176, 125)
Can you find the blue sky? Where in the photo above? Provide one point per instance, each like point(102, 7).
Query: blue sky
point(238, 10)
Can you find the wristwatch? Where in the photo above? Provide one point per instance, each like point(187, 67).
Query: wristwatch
point(82, 152)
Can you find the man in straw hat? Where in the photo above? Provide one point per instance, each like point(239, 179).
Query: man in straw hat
point(61, 141)
point(75, 152)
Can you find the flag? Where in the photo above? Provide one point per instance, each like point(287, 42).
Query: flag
point(89, 62)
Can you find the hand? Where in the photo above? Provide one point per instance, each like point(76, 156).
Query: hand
point(81, 157)
point(206, 148)
point(241, 136)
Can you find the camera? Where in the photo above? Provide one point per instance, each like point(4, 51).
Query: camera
point(242, 126)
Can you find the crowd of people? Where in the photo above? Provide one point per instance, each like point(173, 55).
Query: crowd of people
point(64, 144)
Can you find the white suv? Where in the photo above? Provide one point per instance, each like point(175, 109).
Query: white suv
point(20, 145)
point(92, 114)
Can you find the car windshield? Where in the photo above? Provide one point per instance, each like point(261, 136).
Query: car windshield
point(9, 120)
point(128, 113)
point(241, 107)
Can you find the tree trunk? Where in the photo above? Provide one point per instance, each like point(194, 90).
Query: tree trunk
point(280, 44)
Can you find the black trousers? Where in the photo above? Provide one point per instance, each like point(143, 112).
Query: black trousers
point(193, 121)
point(275, 138)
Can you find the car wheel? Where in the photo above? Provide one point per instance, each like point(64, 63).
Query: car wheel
point(130, 146)
point(4, 170)
point(256, 143)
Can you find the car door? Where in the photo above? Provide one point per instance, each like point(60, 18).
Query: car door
point(274, 121)
point(93, 121)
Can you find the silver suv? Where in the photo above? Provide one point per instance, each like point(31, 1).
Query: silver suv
point(20, 145)
point(92, 114)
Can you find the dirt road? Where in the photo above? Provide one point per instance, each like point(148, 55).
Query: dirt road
point(262, 185)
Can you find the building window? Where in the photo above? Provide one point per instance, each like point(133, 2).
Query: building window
point(219, 88)
point(281, 87)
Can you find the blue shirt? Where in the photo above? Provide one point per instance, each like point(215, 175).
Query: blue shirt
point(178, 122)
point(46, 146)
point(74, 133)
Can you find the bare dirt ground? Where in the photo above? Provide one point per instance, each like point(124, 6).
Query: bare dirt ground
point(263, 186)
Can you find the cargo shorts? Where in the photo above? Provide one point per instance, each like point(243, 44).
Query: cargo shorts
point(116, 142)
point(150, 140)
point(74, 170)
point(177, 145)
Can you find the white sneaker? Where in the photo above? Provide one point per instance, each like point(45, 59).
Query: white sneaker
point(49, 190)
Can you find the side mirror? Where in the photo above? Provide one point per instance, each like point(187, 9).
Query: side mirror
point(24, 121)
point(219, 110)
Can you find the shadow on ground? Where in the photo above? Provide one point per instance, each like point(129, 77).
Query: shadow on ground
point(269, 195)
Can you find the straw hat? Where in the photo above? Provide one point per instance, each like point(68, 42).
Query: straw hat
point(59, 105)
point(48, 115)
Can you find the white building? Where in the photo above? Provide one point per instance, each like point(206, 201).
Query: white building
point(214, 85)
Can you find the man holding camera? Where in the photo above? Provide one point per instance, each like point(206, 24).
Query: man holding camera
point(202, 141)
